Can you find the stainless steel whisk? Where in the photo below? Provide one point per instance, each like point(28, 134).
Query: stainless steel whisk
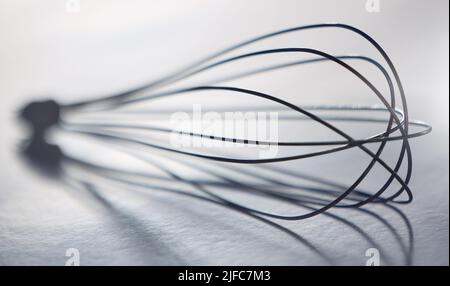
point(43, 115)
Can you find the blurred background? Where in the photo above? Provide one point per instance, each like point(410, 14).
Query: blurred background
point(75, 50)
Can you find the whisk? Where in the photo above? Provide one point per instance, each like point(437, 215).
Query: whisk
point(45, 114)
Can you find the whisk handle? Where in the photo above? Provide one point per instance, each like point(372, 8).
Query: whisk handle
point(41, 116)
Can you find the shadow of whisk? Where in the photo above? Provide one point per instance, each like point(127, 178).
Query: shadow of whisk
point(71, 172)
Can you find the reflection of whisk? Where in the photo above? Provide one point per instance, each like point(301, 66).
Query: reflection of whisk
point(105, 112)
